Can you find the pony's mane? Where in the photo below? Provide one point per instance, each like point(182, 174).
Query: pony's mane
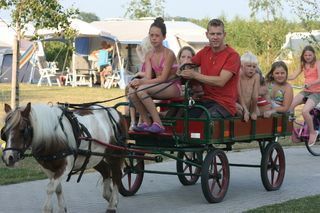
point(47, 126)
point(12, 119)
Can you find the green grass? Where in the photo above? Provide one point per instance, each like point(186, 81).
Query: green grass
point(27, 170)
point(307, 204)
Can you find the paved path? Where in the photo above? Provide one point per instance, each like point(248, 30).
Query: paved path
point(164, 193)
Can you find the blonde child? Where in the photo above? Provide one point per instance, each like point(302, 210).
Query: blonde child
point(310, 67)
point(141, 50)
point(248, 86)
point(279, 90)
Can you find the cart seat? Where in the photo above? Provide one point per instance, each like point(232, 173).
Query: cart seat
point(169, 101)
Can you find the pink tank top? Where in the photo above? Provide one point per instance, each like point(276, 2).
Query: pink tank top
point(311, 75)
point(159, 68)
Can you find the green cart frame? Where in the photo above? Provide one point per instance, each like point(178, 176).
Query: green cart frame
point(198, 147)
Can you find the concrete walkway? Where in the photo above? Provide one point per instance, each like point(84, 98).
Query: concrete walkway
point(164, 193)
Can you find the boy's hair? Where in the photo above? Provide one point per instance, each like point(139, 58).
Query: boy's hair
point(215, 23)
point(249, 57)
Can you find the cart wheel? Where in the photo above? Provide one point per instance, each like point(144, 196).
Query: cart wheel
point(183, 167)
point(215, 176)
point(132, 176)
point(273, 166)
point(315, 149)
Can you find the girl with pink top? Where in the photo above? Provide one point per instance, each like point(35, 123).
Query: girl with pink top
point(311, 70)
point(163, 62)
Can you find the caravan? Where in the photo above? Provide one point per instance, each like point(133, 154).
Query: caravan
point(295, 42)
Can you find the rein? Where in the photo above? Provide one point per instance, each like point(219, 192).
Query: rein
point(83, 105)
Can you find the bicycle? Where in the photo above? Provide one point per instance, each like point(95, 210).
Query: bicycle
point(301, 134)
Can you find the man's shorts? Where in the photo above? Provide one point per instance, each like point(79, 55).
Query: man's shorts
point(215, 110)
point(311, 95)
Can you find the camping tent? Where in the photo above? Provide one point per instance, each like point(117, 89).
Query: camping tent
point(26, 50)
point(88, 39)
point(296, 41)
point(131, 32)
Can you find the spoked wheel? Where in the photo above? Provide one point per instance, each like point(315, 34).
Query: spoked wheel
point(215, 176)
point(192, 171)
point(132, 176)
point(315, 149)
point(273, 166)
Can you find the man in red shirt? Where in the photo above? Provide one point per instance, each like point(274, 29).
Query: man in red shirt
point(220, 65)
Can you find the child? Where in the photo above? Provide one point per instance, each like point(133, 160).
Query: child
point(248, 86)
point(311, 69)
point(141, 50)
point(184, 56)
point(263, 99)
point(279, 90)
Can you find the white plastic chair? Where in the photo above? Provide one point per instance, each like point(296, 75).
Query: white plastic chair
point(48, 72)
point(112, 80)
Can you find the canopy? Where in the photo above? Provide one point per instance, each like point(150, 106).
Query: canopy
point(133, 31)
point(83, 29)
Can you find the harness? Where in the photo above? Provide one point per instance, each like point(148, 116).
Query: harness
point(79, 132)
point(27, 134)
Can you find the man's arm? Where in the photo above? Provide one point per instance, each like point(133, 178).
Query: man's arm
point(218, 81)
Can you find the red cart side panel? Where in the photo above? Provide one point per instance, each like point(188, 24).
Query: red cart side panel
point(238, 129)
point(196, 128)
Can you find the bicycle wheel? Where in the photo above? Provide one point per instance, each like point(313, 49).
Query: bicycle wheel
point(315, 149)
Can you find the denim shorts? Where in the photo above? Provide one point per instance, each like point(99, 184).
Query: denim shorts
point(313, 96)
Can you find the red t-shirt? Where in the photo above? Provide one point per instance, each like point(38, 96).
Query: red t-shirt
point(211, 64)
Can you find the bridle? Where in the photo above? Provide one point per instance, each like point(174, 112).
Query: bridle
point(27, 137)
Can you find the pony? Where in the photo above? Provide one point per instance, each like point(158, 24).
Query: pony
point(57, 138)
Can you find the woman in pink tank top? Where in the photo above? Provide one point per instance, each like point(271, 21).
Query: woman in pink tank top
point(311, 70)
point(163, 62)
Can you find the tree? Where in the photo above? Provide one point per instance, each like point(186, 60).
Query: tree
point(270, 7)
point(88, 17)
point(41, 14)
point(308, 12)
point(145, 8)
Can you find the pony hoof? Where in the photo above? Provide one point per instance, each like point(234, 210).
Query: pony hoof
point(111, 210)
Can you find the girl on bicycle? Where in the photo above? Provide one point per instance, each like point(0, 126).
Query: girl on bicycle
point(311, 70)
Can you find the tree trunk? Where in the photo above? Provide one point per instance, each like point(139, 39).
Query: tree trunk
point(15, 70)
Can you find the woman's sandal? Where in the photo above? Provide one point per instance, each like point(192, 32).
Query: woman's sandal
point(140, 127)
point(155, 128)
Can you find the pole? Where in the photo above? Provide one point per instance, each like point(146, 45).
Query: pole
point(15, 70)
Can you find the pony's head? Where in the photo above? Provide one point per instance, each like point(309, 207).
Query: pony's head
point(17, 133)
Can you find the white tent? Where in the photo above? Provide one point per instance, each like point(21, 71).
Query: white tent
point(295, 42)
point(179, 33)
point(131, 32)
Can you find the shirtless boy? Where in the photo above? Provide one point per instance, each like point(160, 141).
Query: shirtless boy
point(248, 87)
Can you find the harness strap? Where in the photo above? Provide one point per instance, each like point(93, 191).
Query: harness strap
point(78, 130)
point(120, 138)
